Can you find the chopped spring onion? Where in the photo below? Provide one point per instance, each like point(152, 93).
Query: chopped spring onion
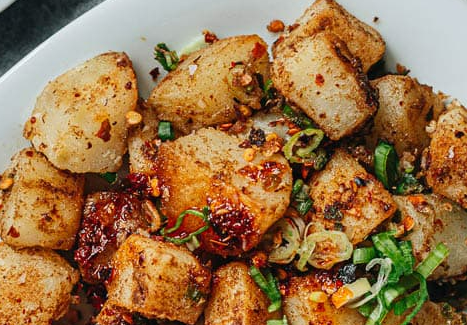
point(193, 244)
point(386, 162)
point(422, 297)
point(267, 89)
point(165, 131)
point(196, 44)
point(378, 314)
point(366, 309)
point(306, 249)
point(179, 241)
point(301, 197)
point(335, 248)
point(282, 321)
point(409, 259)
point(284, 253)
point(167, 58)
point(433, 260)
point(350, 292)
point(363, 255)
point(297, 118)
point(386, 244)
point(269, 286)
point(383, 275)
point(109, 177)
point(300, 147)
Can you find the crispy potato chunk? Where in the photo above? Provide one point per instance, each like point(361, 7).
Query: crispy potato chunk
point(36, 286)
point(108, 219)
point(43, 205)
point(405, 108)
point(142, 141)
point(159, 280)
point(79, 119)
point(236, 299)
point(362, 40)
point(202, 90)
point(245, 190)
point(436, 220)
point(301, 310)
point(447, 156)
point(319, 75)
point(346, 196)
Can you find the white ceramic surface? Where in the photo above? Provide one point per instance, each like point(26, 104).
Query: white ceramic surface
point(427, 36)
point(5, 4)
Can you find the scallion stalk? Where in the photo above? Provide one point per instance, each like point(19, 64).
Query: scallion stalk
point(363, 255)
point(386, 162)
point(179, 241)
point(282, 321)
point(433, 260)
point(165, 131)
point(269, 286)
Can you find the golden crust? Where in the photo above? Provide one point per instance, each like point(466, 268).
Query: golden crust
point(43, 206)
point(79, 118)
point(345, 194)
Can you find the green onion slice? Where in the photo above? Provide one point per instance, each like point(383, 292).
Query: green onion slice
point(363, 255)
point(165, 131)
point(306, 249)
point(179, 241)
point(336, 247)
point(409, 259)
point(422, 297)
point(433, 260)
point(299, 119)
point(386, 244)
point(378, 314)
point(269, 286)
point(285, 252)
point(386, 162)
point(167, 58)
point(296, 151)
point(383, 275)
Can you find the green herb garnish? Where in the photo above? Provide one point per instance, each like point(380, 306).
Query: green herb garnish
point(269, 286)
point(167, 58)
point(165, 131)
point(179, 241)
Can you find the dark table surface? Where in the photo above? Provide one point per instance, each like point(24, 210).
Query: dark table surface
point(27, 23)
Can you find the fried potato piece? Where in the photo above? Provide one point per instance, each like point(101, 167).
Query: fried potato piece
point(436, 220)
point(405, 108)
point(43, 205)
point(36, 286)
point(319, 75)
point(159, 280)
point(79, 118)
point(108, 219)
point(301, 310)
point(236, 299)
point(362, 40)
point(346, 196)
point(447, 156)
point(245, 190)
point(142, 141)
point(202, 90)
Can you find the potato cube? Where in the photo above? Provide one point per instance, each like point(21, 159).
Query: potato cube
point(436, 220)
point(159, 280)
point(447, 157)
point(319, 75)
point(405, 108)
point(43, 205)
point(362, 40)
point(205, 88)
point(245, 190)
point(142, 147)
point(236, 299)
point(79, 118)
point(347, 197)
point(36, 286)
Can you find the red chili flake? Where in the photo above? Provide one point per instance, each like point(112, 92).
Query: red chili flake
point(13, 232)
point(128, 85)
point(123, 62)
point(29, 153)
point(319, 79)
point(104, 131)
point(258, 51)
point(32, 119)
point(210, 37)
point(292, 27)
point(233, 64)
point(155, 73)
